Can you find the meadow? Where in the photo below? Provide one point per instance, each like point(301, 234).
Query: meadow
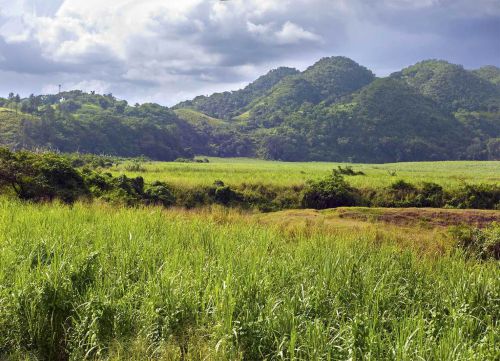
point(100, 282)
point(238, 171)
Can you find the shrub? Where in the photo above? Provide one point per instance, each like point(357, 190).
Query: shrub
point(97, 182)
point(184, 160)
point(135, 167)
point(92, 161)
point(431, 195)
point(477, 196)
point(224, 194)
point(330, 192)
point(158, 193)
point(190, 198)
point(481, 243)
point(37, 177)
point(347, 171)
point(398, 194)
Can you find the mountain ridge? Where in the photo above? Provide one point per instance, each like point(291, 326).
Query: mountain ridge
point(335, 110)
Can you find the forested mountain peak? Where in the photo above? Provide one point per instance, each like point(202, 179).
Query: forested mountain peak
point(490, 73)
point(337, 76)
point(335, 110)
point(450, 85)
point(227, 104)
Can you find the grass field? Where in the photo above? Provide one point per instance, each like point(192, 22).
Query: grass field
point(92, 281)
point(236, 171)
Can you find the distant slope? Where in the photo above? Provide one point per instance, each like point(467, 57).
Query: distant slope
point(229, 104)
point(10, 127)
point(336, 77)
point(327, 81)
point(387, 121)
point(76, 121)
point(393, 121)
point(197, 118)
point(490, 73)
point(451, 86)
point(335, 110)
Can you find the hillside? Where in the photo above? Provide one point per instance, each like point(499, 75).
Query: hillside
point(89, 123)
point(490, 73)
point(335, 110)
point(228, 104)
point(451, 86)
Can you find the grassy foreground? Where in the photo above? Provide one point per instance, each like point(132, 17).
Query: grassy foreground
point(94, 282)
point(236, 171)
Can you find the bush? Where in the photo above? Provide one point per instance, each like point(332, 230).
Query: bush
point(480, 243)
point(330, 192)
point(91, 161)
point(404, 194)
point(158, 193)
point(97, 182)
point(431, 195)
point(347, 171)
point(135, 167)
point(225, 195)
point(38, 177)
point(476, 196)
point(184, 160)
point(191, 198)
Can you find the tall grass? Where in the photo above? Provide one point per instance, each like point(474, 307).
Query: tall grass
point(93, 282)
point(238, 171)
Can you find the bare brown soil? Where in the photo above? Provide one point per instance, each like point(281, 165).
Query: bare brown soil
point(432, 217)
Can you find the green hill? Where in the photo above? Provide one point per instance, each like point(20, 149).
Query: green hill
point(336, 77)
point(197, 118)
point(229, 104)
point(89, 123)
point(490, 73)
point(451, 86)
point(335, 110)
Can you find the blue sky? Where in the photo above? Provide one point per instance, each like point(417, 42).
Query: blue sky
point(167, 51)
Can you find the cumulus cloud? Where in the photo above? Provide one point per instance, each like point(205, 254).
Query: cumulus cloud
point(166, 51)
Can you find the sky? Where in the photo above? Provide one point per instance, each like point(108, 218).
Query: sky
point(165, 51)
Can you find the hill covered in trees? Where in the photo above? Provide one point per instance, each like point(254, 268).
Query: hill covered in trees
point(335, 110)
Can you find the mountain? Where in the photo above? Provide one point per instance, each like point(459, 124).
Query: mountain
point(90, 123)
point(451, 86)
point(490, 73)
point(327, 81)
point(337, 76)
point(335, 110)
point(226, 105)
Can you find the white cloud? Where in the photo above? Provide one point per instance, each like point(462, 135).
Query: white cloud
point(292, 33)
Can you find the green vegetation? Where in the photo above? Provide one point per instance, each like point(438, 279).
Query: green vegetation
point(100, 124)
point(196, 118)
point(482, 243)
point(108, 254)
point(451, 86)
point(47, 176)
point(335, 110)
point(237, 172)
point(95, 282)
point(226, 105)
point(490, 73)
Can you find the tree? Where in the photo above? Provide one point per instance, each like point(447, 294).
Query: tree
point(493, 146)
point(17, 100)
point(330, 192)
point(40, 176)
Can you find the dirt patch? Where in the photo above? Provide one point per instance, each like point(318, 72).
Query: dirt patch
point(430, 217)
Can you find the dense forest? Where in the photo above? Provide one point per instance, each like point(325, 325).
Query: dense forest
point(336, 110)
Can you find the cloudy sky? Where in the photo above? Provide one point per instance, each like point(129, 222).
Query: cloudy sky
point(166, 51)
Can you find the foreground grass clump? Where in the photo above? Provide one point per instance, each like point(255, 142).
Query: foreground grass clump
point(93, 282)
